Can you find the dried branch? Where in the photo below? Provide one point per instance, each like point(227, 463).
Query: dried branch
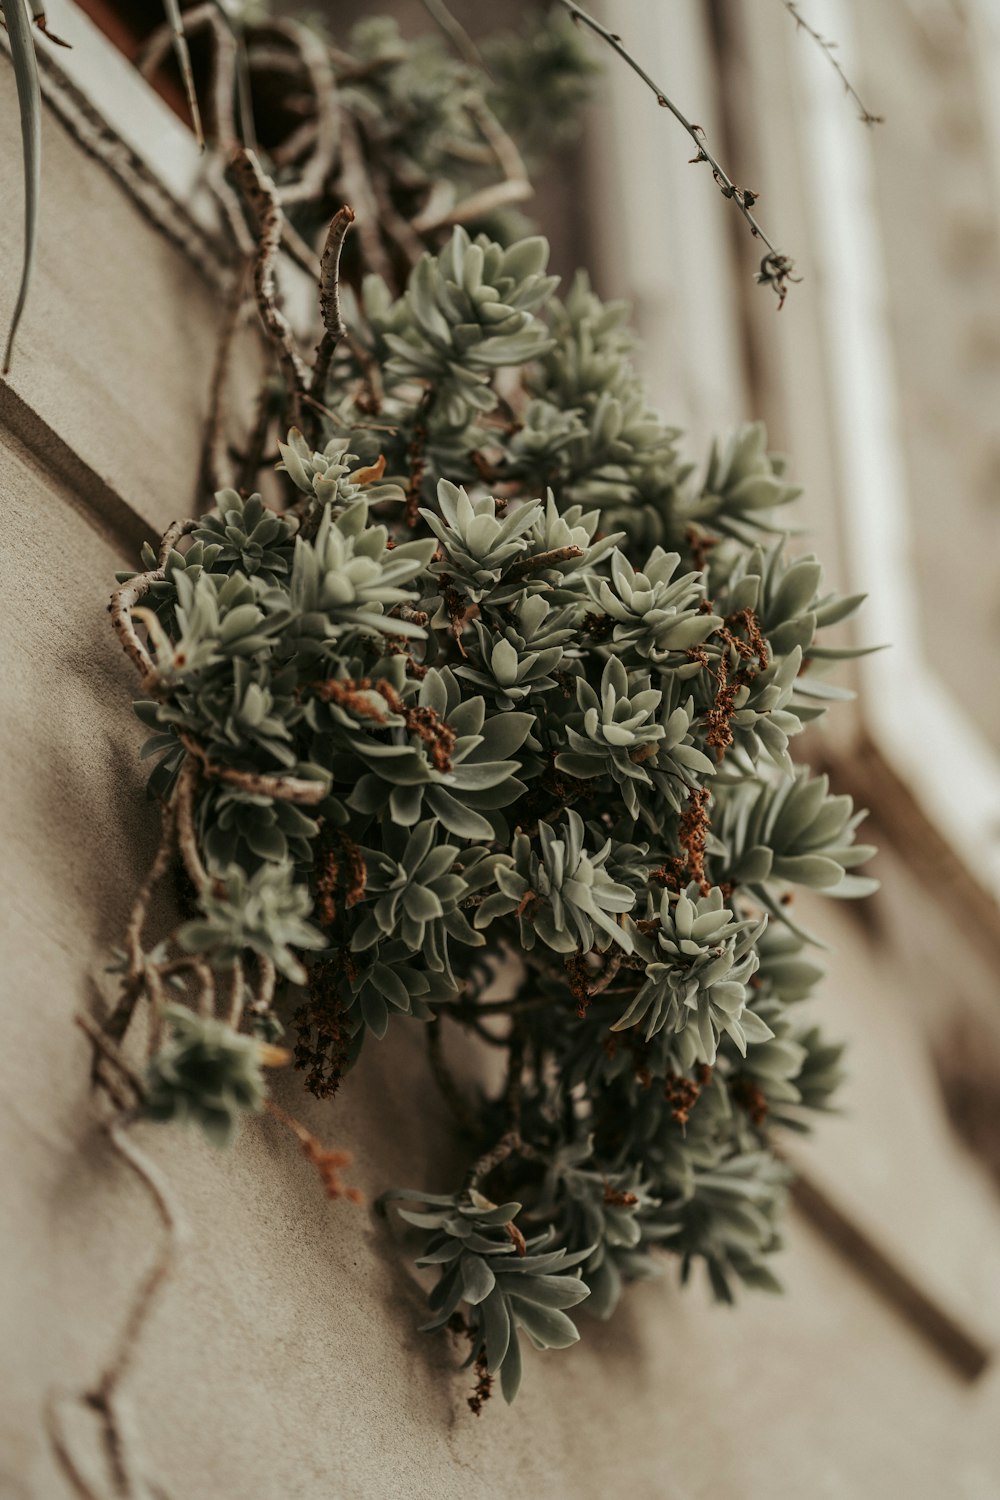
point(118, 1022)
point(261, 197)
point(540, 560)
point(187, 839)
point(392, 223)
point(315, 60)
point(236, 993)
point(334, 327)
point(267, 978)
point(281, 788)
point(328, 1161)
point(456, 34)
point(173, 10)
point(109, 1053)
point(125, 599)
point(357, 189)
point(776, 268)
point(103, 1398)
point(515, 187)
point(509, 1144)
point(608, 973)
point(205, 17)
point(830, 48)
point(213, 443)
point(206, 996)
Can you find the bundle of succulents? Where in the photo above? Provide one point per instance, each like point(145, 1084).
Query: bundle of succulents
point(482, 720)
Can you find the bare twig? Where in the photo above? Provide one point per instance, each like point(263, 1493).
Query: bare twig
point(206, 997)
point(509, 1144)
point(299, 250)
point(110, 1054)
point(140, 906)
point(261, 196)
point(187, 840)
point(281, 788)
point(334, 327)
point(456, 34)
point(357, 188)
point(236, 993)
point(607, 975)
point(205, 17)
point(252, 458)
point(173, 10)
point(125, 598)
point(103, 1398)
point(776, 268)
point(392, 223)
point(539, 560)
point(830, 49)
point(267, 978)
point(315, 60)
point(213, 444)
point(298, 143)
point(514, 188)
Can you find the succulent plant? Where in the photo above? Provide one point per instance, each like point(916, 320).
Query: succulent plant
point(482, 719)
point(205, 1072)
point(562, 893)
point(468, 311)
point(696, 979)
point(653, 613)
point(506, 1282)
point(265, 912)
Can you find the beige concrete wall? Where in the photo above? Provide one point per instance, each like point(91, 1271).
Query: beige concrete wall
point(283, 1361)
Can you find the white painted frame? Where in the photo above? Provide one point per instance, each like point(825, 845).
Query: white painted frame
point(687, 310)
point(907, 708)
point(132, 110)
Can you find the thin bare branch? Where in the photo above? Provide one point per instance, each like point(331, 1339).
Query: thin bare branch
point(357, 188)
point(830, 49)
point(125, 599)
point(267, 978)
point(315, 60)
point(261, 197)
point(174, 16)
point(334, 327)
point(456, 34)
point(187, 839)
point(237, 989)
point(213, 442)
point(104, 1398)
point(204, 17)
point(514, 188)
point(110, 1054)
point(281, 788)
point(776, 268)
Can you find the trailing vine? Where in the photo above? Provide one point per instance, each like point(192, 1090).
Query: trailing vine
point(493, 692)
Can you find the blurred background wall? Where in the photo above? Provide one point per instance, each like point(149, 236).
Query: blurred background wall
point(283, 1361)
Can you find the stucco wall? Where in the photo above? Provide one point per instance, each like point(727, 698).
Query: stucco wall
point(283, 1360)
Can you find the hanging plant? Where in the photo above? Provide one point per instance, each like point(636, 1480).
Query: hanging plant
point(497, 697)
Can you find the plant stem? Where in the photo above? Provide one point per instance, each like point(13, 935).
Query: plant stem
point(775, 268)
point(334, 327)
point(865, 114)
